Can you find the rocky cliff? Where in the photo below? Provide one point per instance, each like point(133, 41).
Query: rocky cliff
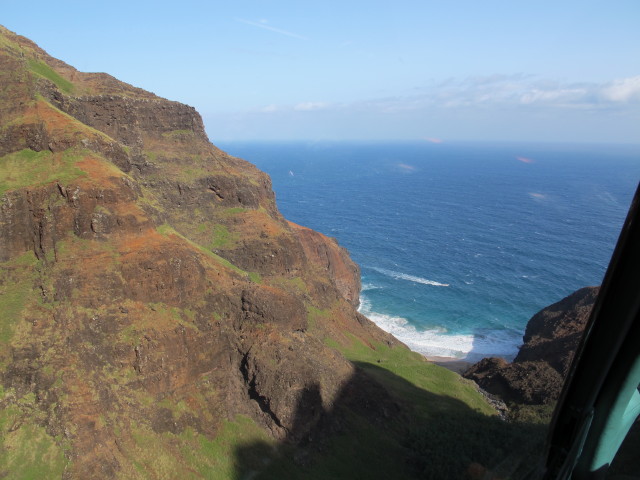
point(149, 285)
point(551, 338)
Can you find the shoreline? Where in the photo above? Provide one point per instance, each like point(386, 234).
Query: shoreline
point(450, 363)
point(429, 343)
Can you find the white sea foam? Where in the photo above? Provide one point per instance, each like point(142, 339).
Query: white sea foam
point(410, 278)
point(437, 342)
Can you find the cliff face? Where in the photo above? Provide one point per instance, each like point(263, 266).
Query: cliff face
point(148, 283)
point(327, 256)
point(551, 338)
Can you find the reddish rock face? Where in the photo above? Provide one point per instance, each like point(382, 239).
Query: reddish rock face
point(550, 342)
point(327, 256)
point(142, 265)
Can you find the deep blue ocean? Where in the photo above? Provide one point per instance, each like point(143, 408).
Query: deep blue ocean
point(461, 243)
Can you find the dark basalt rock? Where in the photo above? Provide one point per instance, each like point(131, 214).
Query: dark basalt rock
point(551, 338)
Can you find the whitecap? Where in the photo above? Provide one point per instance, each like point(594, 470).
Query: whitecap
point(409, 278)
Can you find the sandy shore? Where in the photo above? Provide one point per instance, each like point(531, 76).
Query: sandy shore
point(451, 363)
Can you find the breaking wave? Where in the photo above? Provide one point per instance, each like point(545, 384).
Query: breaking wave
point(409, 278)
point(437, 342)
point(369, 286)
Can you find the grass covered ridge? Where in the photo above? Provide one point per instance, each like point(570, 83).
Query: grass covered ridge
point(413, 370)
point(43, 70)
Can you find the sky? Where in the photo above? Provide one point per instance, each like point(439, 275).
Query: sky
point(543, 71)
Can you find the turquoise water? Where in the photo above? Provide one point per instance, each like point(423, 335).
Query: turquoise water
point(459, 244)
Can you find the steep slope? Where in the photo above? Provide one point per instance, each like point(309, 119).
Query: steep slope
point(551, 338)
point(155, 307)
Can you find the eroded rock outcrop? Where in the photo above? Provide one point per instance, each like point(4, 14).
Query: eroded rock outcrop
point(551, 338)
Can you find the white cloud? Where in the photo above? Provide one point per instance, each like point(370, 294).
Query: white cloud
point(307, 106)
point(623, 90)
point(558, 96)
point(269, 108)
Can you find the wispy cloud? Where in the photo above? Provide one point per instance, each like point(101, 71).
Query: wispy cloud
point(497, 92)
point(517, 91)
point(307, 106)
point(298, 107)
point(264, 24)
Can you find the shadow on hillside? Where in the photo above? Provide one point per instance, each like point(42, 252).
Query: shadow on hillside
point(372, 433)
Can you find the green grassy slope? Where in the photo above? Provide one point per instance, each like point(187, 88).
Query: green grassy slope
point(446, 429)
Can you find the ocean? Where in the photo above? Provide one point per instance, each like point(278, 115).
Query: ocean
point(459, 243)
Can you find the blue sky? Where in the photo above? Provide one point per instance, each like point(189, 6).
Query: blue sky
point(447, 70)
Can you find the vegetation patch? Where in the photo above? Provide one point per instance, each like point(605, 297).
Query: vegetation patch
point(231, 454)
point(16, 282)
point(410, 368)
point(294, 285)
point(230, 212)
point(316, 315)
point(28, 452)
point(166, 230)
point(255, 277)
point(173, 315)
point(179, 134)
point(59, 124)
point(42, 69)
point(191, 455)
point(222, 238)
point(28, 168)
